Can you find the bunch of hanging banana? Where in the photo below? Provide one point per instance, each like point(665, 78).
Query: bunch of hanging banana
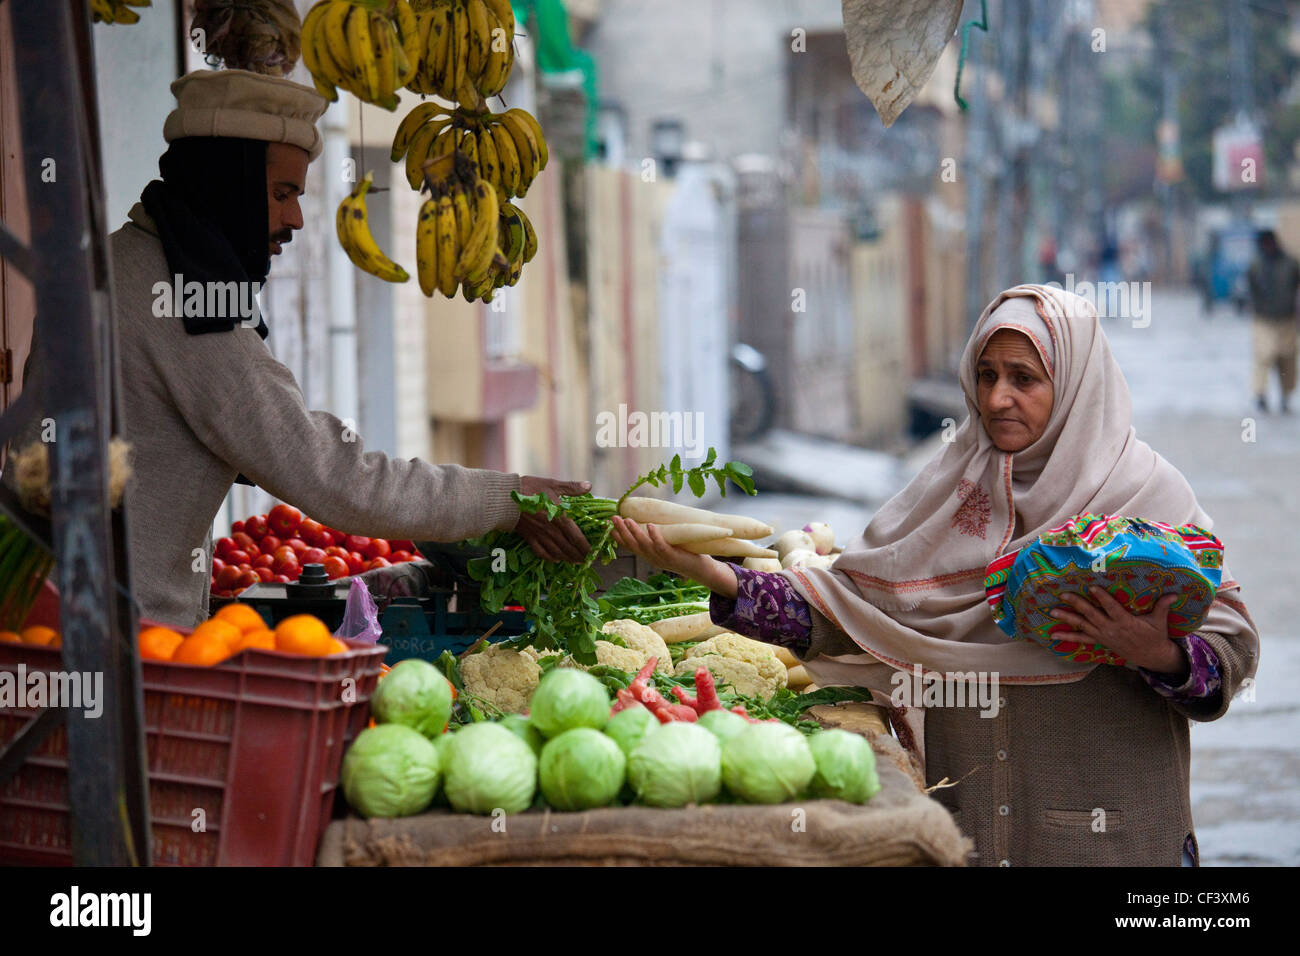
point(466, 237)
point(467, 48)
point(508, 149)
point(116, 11)
point(371, 48)
point(354, 235)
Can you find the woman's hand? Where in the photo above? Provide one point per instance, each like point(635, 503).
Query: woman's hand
point(1141, 639)
point(646, 541)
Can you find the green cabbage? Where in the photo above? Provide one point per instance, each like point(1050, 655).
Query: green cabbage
point(567, 698)
point(413, 693)
point(390, 771)
point(723, 724)
point(581, 769)
point(523, 728)
point(676, 764)
point(627, 727)
point(489, 768)
point(440, 744)
point(767, 763)
point(846, 766)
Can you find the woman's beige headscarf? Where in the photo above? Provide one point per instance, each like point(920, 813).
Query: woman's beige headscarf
point(910, 590)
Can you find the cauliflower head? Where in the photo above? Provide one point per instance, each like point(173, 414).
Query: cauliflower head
point(501, 676)
point(640, 638)
point(739, 648)
point(624, 658)
point(743, 676)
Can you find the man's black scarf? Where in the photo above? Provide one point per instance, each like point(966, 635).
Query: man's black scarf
point(211, 212)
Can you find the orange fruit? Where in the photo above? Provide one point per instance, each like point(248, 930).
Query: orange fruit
point(242, 616)
point(10, 637)
point(337, 647)
point(304, 634)
point(206, 649)
point(159, 643)
point(264, 639)
point(222, 629)
point(40, 634)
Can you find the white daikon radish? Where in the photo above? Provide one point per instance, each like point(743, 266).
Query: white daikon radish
point(820, 561)
point(797, 677)
point(822, 535)
point(688, 533)
point(784, 656)
point(654, 511)
point(794, 541)
point(687, 627)
point(729, 548)
point(762, 564)
point(797, 558)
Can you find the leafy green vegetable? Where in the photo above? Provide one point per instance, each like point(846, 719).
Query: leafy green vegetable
point(489, 767)
point(846, 766)
point(676, 764)
point(390, 771)
point(581, 769)
point(414, 693)
point(767, 763)
point(567, 698)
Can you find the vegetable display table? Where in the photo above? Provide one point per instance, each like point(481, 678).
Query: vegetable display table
point(901, 826)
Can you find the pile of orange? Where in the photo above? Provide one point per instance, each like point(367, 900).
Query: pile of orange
point(237, 627)
point(36, 634)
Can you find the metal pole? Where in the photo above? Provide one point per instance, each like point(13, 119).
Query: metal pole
point(106, 773)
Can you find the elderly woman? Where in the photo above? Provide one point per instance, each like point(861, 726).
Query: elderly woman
point(1077, 763)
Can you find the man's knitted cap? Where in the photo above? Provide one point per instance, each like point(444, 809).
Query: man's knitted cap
point(245, 105)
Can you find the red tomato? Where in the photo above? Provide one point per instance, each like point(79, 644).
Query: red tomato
point(265, 574)
point(281, 578)
point(294, 572)
point(268, 544)
point(284, 553)
point(328, 538)
point(286, 564)
point(255, 527)
point(245, 542)
point(356, 563)
point(356, 542)
point(398, 557)
point(312, 556)
point(228, 576)
point(336, 567)
point(224, 547)
point(402, 545)
point(284, 520)
point(217, 565)
point(236, 526)
point(298, 545)
point(338, 552)
point(378, 563)
point(246, 578)
point(239, 557)
point(310, 531)
point(263, 561)
point(378, 548)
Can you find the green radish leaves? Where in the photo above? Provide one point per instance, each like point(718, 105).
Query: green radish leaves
point(697, 478)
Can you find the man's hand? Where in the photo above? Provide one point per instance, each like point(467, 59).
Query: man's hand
point(1141, 639)
point(558, 540)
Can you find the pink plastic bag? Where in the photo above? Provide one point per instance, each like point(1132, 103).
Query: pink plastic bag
point(360, 615)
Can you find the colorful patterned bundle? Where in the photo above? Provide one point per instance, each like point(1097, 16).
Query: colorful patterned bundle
point(1136, 561)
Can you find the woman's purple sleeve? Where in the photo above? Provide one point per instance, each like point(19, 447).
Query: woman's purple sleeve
point(1203, 672)
point(766, 607)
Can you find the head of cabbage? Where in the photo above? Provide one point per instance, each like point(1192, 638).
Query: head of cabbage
point(489, 768)
point(567, 698)
point(723, 724)
point(413, 693)
point(390, 771)
point(523, 728)
point(581, 769)
point(628, 726)
point(675, 764)
point(846, 766)
point(767, 763)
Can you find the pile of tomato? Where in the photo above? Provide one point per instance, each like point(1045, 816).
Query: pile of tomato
point(275, 546)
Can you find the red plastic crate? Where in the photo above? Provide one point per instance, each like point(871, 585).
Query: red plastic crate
point(255, 742)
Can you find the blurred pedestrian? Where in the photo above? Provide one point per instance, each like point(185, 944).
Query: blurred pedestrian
point(1274, 280)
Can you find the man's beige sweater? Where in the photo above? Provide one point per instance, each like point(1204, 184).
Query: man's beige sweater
point(200, 409)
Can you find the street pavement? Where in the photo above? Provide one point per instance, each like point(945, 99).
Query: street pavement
point(1189, 376)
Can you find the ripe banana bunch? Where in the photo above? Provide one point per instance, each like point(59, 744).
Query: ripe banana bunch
point(508, 149)
point(360, 46)
point(518, 245)
point(456, 242)
point(116, 11)
point(354, 235)
point(467, 48)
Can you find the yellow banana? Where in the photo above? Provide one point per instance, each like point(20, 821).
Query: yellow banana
point(530, 235)
point(310, 59)
point(334, 25)
point(507, 158)
point(464, 215)
point(447, 248)
point(522, 135)
point(441, 62)
point(539, 138)
point(480, 37)
point(460, 46)
point(488, 164)
point(411, 122)
point(500, 57)
point(353, 229)
point(408, 36)
point(418, 153)
point(504, 12)
point(477, 254)
point(363, 56)
point(426, 248)
point(382, 41)
point(469, 146)
point(419, 82)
